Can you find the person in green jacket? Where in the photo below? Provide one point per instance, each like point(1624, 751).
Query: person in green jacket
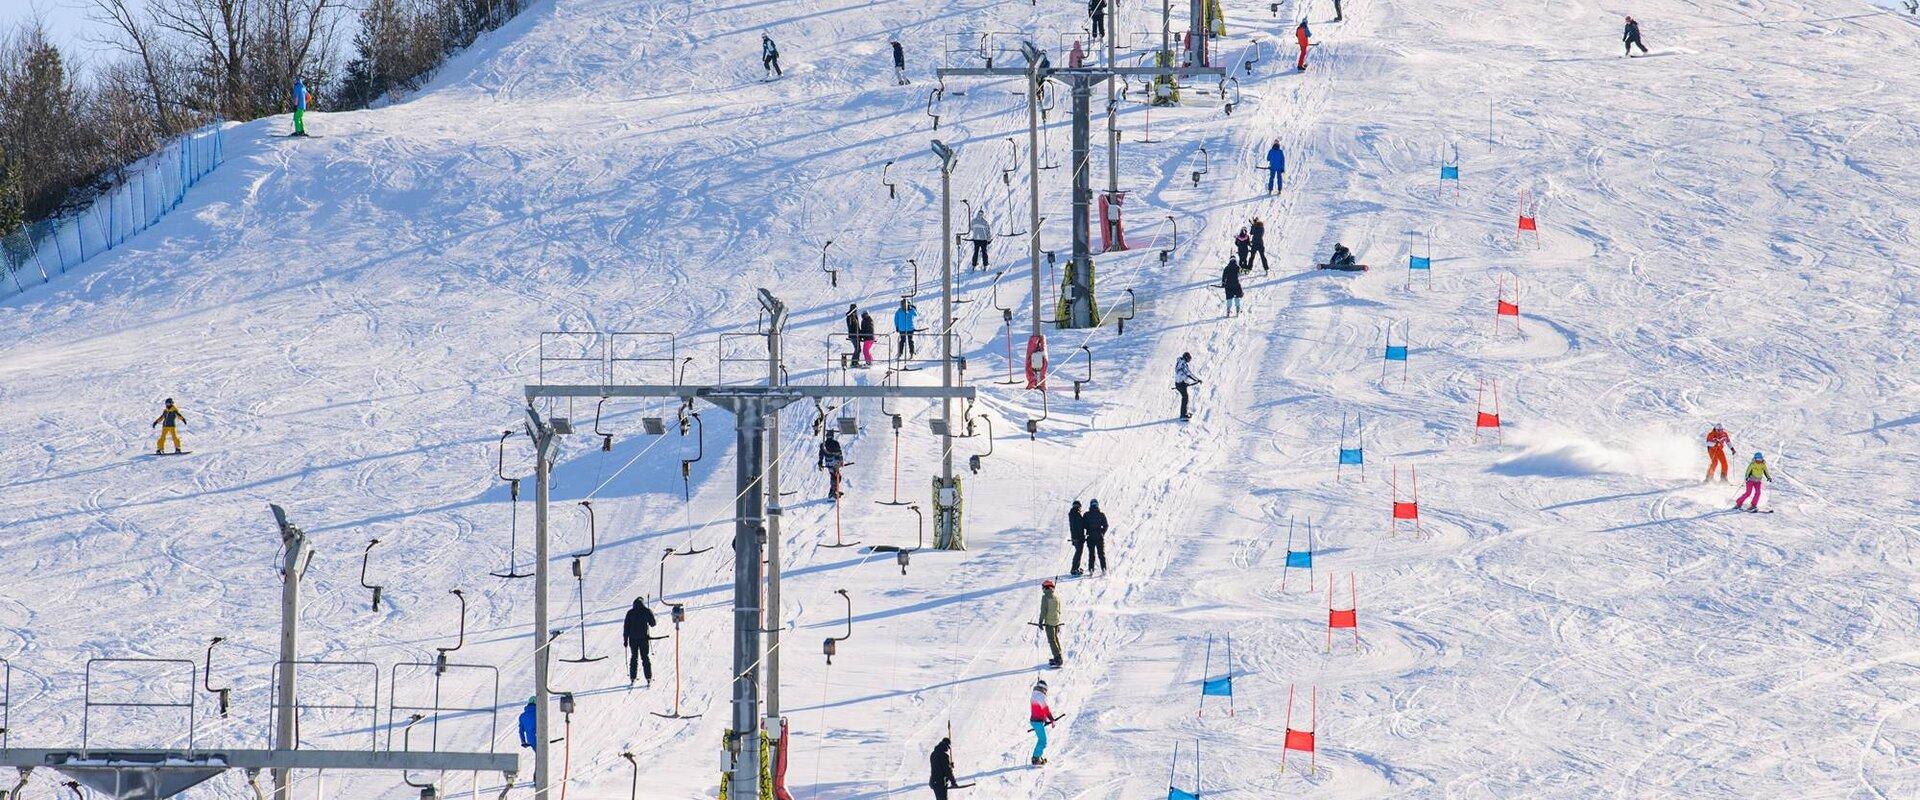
point(1756, 472)
point(1050, 620)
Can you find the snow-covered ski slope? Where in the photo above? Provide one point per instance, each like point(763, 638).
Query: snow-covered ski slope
point(1727, 234)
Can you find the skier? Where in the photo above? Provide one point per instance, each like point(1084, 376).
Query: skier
point(769, 57)
point(1276, 167)
point(1230, 283)
point(1183, 378)
point(635, 632)
point(866, 337)
point(832, 459)
point(1050, 621)
point(1718, 443)
point(942, 777)
point(1631, 37)
point(1343, 260)
point(903, 321)
point(1258, 245)
point(982, 234)
point(1305, 38)
point(1096, 522)
point(1040, 717)
point(300, 98)
point(527, 715)
point(853, 331)
point(1756, 472)
point(1243, 249)
point(899, 63)
point(1097, 10)
point(168, 422)
point(1077, 533)
point(1338, 15)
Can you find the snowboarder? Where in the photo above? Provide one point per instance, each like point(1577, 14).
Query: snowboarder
point(1243, 249)
point(1343, 260)
point(1631, 37)
point(899, 63)
point(1077, 533)
point(1230, 283)
point(1718, 443)
point(866, 337)
point(1096, 522)
point(635, 633)
point(1040, 718)
point(1050, 621)
point(300, 98)
point(1258, 244)
point(527, 720)
point(853, 331)
point(1097, 10)
point(1756, 472)
point(1276, 166)
point(168, 422)
point(769, 56)
point(903, 321)
point(981, 234)
point(1183, 378)
point(832, 459)
point(1305, 37)
point(942, 777)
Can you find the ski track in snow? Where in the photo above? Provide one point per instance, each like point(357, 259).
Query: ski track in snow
point(1726, 234)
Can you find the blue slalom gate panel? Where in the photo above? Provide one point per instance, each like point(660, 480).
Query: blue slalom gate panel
point(1419, 262)
point(1301, 559)
point(1217, 687)
point(1449, 173)
point(1396, 352)
point(1354, 456)
point(1181, 794)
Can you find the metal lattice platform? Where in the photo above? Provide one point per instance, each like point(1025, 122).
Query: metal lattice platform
point(158, 774)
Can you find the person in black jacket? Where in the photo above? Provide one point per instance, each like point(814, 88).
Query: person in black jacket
point(899, 63)
point(853, 330)
point(866, 338)
point(1258, 245)
point(635, 633)
point(1097, 11)
point(1631, 37)
point(1230, 282)
point(1077, 532)
point(1096, 522)
point(831, 460)
point(942, 777)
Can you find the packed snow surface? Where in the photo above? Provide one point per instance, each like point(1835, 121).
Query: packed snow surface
point(1727, 233)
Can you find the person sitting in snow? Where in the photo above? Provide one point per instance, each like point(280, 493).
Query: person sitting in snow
point(1342, 259)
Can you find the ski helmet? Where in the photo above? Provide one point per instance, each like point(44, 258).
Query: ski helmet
point(1093, 504)
point(1758, 457)
point(1039, 686)
point(169, 401)
point(1046, 584)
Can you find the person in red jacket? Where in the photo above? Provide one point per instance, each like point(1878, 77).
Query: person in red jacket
point(1718, 443)
point(1304, 36)
point(1041, 718)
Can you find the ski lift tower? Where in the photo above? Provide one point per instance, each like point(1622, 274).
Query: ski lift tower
point(125, 773)
point(753, 407)
point(1077, 305)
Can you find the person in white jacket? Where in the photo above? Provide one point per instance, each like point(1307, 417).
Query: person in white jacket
point(980, 233)
point(1183, 378)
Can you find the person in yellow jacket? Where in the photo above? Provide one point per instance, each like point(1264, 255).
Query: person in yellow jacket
point(169, 419)
point(1756, 472)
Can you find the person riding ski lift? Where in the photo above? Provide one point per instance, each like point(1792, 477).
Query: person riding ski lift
point(1096, 522)
point(866, 337)
point(1183, 378)
point(1230, 284)
point(853, 332)
point(168, 422)
point(1756, 472)
point(1276, 167)
point(941, 779)
point(903, 326)
point(1040, 717)
point(1050, 622)
point(635, 632)
point(832, 459)
point(980, 232)
point(528, 719)
point(1304, 36)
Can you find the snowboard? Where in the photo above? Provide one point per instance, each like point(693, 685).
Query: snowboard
point(1354, 268)
point(174, 453)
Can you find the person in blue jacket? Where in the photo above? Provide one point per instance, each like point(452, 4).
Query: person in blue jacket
point(1276, 167)
point(527, 714)
point(903, 326)
point(299, 106)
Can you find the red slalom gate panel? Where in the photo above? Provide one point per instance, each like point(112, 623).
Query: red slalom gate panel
point(1529, 224)
point(1343, 618)
point(1405, 510)
point(1484, 419)
point(1302, 740)
point(1506, 309)
point(1503, 307)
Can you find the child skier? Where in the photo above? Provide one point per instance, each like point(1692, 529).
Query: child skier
point(1756, 472)
point(300, 98)
point(832, 459)
point(1718, 443)
point(1631, 37)
point(866, 337)
point(1050, 622)
point(1243, 249)
point(168, 422)
point(1040, 718)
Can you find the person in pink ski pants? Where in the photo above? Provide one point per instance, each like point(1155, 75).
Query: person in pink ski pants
point(1756, 472)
